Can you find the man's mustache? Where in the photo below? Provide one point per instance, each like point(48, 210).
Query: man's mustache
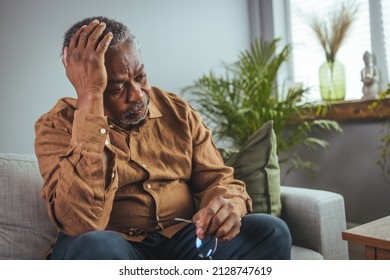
point(137, 107)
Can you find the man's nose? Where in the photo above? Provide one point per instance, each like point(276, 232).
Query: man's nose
point(135, 93)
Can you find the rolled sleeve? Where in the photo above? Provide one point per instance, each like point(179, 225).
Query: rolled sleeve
point(90, 132)
point(70, 154)
point(210, 177)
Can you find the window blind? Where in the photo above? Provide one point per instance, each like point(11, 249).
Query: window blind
point(385, 8)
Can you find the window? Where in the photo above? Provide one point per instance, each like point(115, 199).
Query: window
point(308, 54)
point(369, 32)
point(385, 9)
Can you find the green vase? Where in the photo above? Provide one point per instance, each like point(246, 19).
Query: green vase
point(332, 81)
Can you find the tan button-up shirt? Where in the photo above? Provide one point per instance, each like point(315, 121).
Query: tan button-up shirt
point(156, 169)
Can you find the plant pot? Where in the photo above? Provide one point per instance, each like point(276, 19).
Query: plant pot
point(332, 81)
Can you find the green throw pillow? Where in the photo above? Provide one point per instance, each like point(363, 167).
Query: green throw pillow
point(256, 164)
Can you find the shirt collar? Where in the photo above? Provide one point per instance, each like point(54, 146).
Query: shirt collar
point(154, 112)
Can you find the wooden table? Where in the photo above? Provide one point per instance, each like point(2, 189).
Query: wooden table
point(375, 236)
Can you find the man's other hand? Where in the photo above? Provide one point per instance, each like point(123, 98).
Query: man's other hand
point(218, 219)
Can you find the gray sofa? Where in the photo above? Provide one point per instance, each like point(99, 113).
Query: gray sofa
point(315, 218)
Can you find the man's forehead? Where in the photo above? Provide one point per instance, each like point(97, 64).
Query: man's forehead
point(123, 60)
point(125, 48)
point(118, 72)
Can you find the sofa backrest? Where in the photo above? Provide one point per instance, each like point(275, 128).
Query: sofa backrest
point(25, 228)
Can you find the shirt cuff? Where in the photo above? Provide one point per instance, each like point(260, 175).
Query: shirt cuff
point(90, 132)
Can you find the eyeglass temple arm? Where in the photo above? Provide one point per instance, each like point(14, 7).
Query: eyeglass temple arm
point(174, 219)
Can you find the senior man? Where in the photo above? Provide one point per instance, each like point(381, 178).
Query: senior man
point(122, 163)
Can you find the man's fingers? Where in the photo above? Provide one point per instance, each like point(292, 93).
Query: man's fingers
point(218, 219)
point(84, 35)
point(75, 38)
point(88, 36)
point(229, 228)
point(104, 43)
point(211, 210)
point(94, 37)
point(207, 215)
point(223, 221)
point(227, 235)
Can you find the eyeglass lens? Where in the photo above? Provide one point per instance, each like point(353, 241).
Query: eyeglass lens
point(206, 247)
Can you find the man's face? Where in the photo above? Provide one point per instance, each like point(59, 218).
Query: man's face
point(127, 95)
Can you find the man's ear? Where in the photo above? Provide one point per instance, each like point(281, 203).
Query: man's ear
point(64, 57)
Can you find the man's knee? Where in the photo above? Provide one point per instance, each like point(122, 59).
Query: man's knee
point(263, 223)
point(98, 245)
point(282, 238)
point(271, 230)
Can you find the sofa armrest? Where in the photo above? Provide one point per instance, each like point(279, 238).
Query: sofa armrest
point(316, 220)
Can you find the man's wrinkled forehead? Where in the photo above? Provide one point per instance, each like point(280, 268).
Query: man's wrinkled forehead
point(124, 58)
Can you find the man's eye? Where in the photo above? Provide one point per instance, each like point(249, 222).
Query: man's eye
point(140, 78)
point(116, 90)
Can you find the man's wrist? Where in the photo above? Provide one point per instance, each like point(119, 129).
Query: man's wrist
point(89, 131)
point(91, 103)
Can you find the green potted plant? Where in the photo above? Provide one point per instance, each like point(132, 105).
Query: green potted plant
point(384, 147)
point(235, 105)
point(331, 32)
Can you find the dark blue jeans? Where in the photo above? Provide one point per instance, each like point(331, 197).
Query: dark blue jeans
point(261, 237)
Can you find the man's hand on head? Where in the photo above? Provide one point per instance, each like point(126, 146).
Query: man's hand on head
point(218, 219)
point(84, 63)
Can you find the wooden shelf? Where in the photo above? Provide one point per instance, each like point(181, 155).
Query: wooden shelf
point(350, 110)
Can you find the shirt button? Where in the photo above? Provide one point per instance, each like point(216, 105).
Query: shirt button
point(103, 131)
point(131, 232)
point(148, 186)
point(113, 175)
point(111, 126)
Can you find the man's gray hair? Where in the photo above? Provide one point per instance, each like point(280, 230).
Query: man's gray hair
point(119, 30)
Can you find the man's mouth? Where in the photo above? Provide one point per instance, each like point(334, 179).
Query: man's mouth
point(138, 109)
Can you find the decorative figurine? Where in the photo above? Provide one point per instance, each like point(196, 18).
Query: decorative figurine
point(370, 77)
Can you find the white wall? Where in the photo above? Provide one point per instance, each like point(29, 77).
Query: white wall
point(180, 40)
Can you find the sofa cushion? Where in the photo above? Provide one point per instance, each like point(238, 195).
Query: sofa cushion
point(300, 253)
point(256, 164)
point(25, 228)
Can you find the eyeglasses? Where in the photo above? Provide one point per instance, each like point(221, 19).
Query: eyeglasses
point(206, 247)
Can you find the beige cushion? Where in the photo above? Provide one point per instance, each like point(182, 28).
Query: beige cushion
point(25, 228)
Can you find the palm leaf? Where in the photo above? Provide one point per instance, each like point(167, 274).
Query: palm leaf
point(238, 103)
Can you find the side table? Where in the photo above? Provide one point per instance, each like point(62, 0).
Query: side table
point(374, 235)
